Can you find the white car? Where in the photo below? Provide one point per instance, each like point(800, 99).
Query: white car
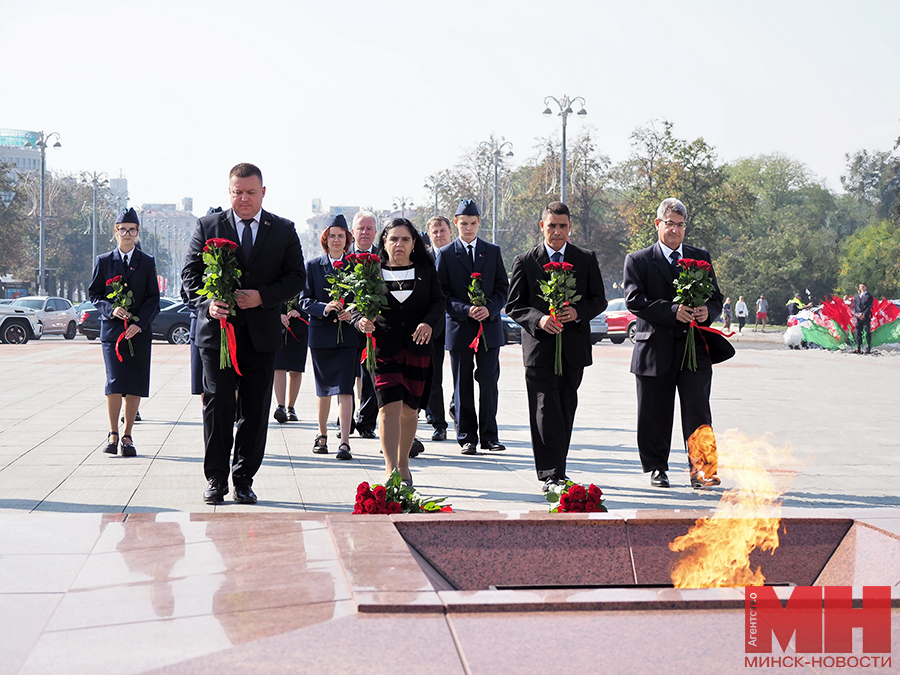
point(56, 314)
point(18, 325)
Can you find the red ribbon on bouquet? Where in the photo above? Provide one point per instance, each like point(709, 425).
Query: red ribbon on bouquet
point(694, 324)
point(232, 342)
point(122, 335)
point(365, 352)
point(474, 343)
point(292, 332)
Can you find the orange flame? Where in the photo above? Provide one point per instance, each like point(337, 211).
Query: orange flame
point(703, 454)
point(717, 549)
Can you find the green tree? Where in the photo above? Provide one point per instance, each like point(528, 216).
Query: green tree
point(872, 256)
point(15, 248)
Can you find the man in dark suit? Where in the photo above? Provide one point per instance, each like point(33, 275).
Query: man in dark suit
point(271, 260)
point(364, 230)
point(456, 263)
point(440, 234)
point(862, 310)
point(662, 327)
point(553, 399)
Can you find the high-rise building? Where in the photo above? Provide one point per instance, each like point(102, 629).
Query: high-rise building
point(13, 150)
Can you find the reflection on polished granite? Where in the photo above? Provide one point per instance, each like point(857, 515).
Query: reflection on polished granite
point(332, 593)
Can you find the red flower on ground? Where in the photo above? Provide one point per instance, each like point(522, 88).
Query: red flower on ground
point(379, 492)
point(594, 492)
point(577, 492)
point(369, 506)
point(394, 507)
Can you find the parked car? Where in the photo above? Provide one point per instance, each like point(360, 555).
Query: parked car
point(6, 301)
point(598, 328)
point(57, 315)
point(18, 325)
point(164, 303)
point(622, 323)
point(512, 332)
point(88, 320)
point(173, 324)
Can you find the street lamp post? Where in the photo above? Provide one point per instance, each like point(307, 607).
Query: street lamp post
point(565, 109)
point(495, 150)
point(437, 182)
point(403, 203)
point(96, 181)
point(40, 141)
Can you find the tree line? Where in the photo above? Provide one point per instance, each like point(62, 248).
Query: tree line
point(770, 224)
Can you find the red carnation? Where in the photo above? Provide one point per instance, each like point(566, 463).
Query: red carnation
point(551, 266)
point(394, 507)
point(577, 492)
point(115, 279)
point(369, 506)
point(567, 267)
point(337, 264)
point(476, 275)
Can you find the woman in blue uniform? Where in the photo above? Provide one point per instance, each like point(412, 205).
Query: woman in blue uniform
point(290, 361)
point(415, 305)
point(128, 378)
point(335, 362)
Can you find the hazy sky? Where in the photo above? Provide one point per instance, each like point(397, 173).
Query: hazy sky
point(357, 102)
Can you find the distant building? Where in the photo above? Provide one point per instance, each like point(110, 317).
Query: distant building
point(315, 225)
point(13, 150)
point(172, 228)
point(118, 188)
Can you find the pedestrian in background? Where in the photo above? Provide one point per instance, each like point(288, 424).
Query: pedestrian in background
point(741, 311)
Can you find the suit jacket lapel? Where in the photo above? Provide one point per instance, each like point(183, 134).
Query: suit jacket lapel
point(135, 261)
point(463, 253)
point(479, 255)
point(663, 265)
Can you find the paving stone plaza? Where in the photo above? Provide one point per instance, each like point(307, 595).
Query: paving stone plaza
point(116, 565)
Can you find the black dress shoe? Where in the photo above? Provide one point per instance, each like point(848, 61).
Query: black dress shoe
point(658, 478)
point(552, 482)
point(112, 448)
point(493, 446)
point(128, 449)
point(342, 453)
point(417, 448)
point(216, 491)
point(292, 415)
point(469, 449)
point(367, 433)
point(699, 482)
point(243, 494)
point(280, 415)
point(439, 435)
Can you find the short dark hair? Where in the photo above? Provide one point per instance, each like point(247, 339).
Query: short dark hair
point(438, 219)
point(245, 170)
point(557, 209)
point(324, 238)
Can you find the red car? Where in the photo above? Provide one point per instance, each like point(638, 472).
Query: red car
point(622, 323)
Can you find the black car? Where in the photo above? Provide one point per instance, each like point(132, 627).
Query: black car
point(88, 320)
point(512, 332)
point(173, 324)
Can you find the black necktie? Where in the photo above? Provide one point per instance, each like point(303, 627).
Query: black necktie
point(471, 252)
point(247, 239)
point(125, 260)
point(675, 257)
point(556, 257)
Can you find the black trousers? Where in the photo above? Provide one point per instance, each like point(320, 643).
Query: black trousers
point(656, 406)
point(552, 401)
point(367, 417)
point(858, 331)
point(435, 409)
point(254, 397)
point(468, 368)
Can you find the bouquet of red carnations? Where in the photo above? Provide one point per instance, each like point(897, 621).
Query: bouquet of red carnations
point(364, 280)
point(220, 282)
point(576, 498)
point(121, 298)
point(394, 497)
point(559, 291)
point(477, 298)
point(693, 288)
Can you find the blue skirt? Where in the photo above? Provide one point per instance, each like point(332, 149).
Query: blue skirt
point(334, 369)
point(131, 377)
point(292, 355)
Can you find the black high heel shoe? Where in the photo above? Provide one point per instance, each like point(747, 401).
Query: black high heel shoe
point(128, 449)
point(112, 448)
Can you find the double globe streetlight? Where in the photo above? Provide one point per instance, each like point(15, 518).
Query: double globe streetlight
point(565, 109)
point(96, 181)
point(495, 150)
point(40, 140)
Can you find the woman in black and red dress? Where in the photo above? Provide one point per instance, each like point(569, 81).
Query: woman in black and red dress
point(402, 332)
point(128, 379)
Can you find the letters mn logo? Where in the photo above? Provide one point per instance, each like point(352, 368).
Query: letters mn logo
point(819, 627)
